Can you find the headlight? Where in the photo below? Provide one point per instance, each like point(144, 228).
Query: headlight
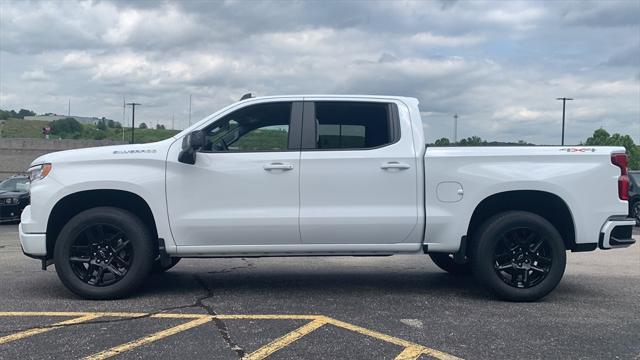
point(39, 172)
point(11, 200)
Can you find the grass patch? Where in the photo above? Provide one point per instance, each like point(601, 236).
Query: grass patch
point(29, 129)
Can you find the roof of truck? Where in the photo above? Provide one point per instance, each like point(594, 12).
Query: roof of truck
point(340, 96)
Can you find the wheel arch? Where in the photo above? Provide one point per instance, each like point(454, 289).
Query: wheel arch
point(545, 204)
point(72, 204)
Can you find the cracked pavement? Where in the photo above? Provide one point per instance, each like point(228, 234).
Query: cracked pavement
point(593, 314)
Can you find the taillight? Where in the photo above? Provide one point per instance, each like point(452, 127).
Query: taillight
point(621, 160)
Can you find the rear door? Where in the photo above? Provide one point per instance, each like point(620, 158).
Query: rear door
point(358, 180)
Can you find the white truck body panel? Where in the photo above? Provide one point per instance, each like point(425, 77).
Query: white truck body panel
point(585, 180)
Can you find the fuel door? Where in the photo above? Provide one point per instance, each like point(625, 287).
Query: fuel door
point(449, 191)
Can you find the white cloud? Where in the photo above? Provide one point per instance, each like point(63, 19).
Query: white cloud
point(35, 75)
point(429, 39)
point(500, 65)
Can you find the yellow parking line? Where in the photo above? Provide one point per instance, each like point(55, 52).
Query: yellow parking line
point(179, 316)
point(390, 339)
point(268, 317)
point(42, 313)
point(40, 330)
point(286, 340)
point(149, 338)
point(410, 353)
point(438, 354)
point(58, 313)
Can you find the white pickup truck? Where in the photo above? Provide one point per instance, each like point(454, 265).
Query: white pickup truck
point(322, 175)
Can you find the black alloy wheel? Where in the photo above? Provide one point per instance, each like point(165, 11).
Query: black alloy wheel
point(101, 255)
point(522, 258)
point(104, 253)
point(518, 256)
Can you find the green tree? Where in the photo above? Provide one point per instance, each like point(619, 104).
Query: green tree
point(442, 142)
point(65, 126)
point(24, 112)
point(143, 126)
point(159, 126)
point(472, 141)
point(8, 114)
point(102, 125)
point(601, 137)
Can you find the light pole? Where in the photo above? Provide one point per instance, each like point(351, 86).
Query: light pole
point(564, 105)
point(455, 128)
point(189, 109)
point(133, 119)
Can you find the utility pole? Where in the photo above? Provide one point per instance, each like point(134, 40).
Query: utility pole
point(124, 108)
point(455, 128)
point(173, 122)
point(189, 109)
point(564, 103)
point(133, 119)
point(69, 109)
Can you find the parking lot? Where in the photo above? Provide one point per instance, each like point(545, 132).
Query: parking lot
point(399, 307)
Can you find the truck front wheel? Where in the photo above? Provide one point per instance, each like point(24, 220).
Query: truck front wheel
point(518, 255)
point(448, 264)
point(103, 253)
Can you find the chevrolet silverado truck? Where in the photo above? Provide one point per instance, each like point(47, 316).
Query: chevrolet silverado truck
point(322, 175)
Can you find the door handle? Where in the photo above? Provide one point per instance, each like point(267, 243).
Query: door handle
point(395, 165)
point(278, 166)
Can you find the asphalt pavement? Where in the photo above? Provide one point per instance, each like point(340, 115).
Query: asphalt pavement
point(398, 307)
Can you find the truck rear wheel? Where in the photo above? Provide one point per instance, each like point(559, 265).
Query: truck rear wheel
point(518, 255)
point(446, 263)
point(103, 253)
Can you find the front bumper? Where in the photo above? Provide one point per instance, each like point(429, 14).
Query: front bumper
point(617, 232)
point(33, 245)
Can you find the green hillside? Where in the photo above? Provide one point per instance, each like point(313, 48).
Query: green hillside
point(18, 128)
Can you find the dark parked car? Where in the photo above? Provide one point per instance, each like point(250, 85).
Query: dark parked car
point(14, 197)
point(634, 195)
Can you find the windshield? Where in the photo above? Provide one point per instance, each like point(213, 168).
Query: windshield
point(14, 184)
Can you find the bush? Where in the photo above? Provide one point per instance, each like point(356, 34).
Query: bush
point(65, 126)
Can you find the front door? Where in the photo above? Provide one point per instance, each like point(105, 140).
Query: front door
point(244, 186)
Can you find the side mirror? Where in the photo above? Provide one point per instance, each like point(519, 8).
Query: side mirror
point(190, 145)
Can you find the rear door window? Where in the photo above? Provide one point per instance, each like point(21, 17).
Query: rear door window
point(353, 125)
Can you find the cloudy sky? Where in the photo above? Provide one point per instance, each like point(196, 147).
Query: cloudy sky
point(499, 65)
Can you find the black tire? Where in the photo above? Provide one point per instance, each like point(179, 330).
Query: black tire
point(518, 256)
point(92, 237)
point(635, 211)
point(446, 263)
point(158, 268)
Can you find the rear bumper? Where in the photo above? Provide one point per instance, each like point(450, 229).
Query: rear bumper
point(617, 233)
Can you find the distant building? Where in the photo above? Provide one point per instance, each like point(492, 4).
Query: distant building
point(53, 117)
